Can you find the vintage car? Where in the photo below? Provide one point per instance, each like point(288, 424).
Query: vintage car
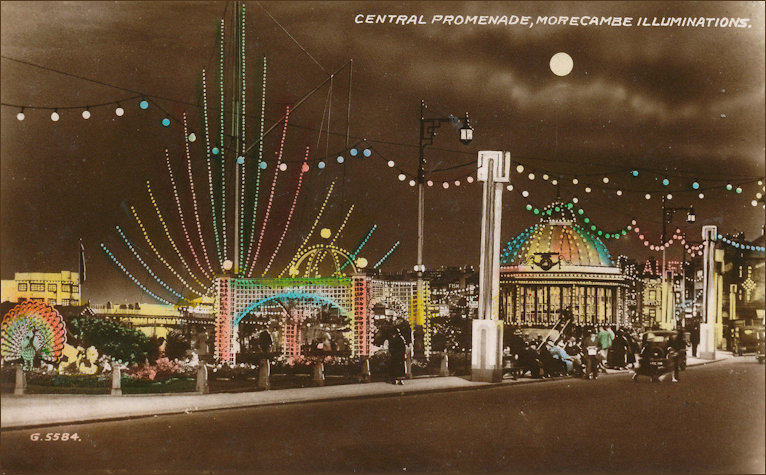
point(760, 351)
point(656, 355)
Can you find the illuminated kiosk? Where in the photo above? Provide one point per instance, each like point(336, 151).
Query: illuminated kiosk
point(557, 265)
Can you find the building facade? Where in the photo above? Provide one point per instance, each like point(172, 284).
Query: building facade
point(54, 288)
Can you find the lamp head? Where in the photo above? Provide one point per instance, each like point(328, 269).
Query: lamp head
point(466, 132)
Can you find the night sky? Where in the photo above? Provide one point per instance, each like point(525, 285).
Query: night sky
point(681, 102)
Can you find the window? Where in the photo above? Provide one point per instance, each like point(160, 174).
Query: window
point(66, 287)
point(23, 287)
point(37, 300)
point(37, 287)
point(52, 301)
point(652, 312)
point(75, 288)
point(51, 287)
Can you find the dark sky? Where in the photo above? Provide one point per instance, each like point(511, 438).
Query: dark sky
point(681, 102)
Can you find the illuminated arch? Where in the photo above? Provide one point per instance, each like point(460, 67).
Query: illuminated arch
point(316, 254)
point(290, 296)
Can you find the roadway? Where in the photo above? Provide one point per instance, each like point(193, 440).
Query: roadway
point(711, 421)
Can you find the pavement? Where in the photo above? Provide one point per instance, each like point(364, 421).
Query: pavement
point(35, 410)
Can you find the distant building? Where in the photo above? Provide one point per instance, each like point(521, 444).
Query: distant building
point(54, 288)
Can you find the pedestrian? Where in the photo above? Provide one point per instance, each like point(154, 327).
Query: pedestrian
point(695, 336)
point(676, 353)
point(616, 353)
point(397, 346)
point(590, 352)
point(603, 342)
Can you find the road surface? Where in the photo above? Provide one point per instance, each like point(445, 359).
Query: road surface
point(711, 421)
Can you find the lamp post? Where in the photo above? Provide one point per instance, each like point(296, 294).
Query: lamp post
point(428, 128)
point(667, 216)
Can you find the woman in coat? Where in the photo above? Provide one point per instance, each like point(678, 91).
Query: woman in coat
point(397, 346)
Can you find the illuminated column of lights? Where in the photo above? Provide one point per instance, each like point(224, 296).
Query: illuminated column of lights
point(360, 246)
point(258, 168)
point(210, 168)
point(130, 276)
point(242, 169)
point(222, 149)
point(171, 240)
point(196, 208)
point(311, 231)
point(304, 169)
point(383, 259)
point(145, 265)
point(271, 193)
point(180, 213)
point(159, 256)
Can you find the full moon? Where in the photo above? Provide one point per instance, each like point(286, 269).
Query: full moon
point(561, 64)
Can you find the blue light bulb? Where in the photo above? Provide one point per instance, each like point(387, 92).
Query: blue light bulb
point(665, 181)
point(696, 185)
point(634, 172)
point(143, 104)
point(354, 152)
point(367, 152)
point(216, 151)
point(340, 159)
point(262, 165)
point(320, 165)
point(166, 122)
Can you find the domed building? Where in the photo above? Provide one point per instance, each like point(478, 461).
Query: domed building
point(560, 264)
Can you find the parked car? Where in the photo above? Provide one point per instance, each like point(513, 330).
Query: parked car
point(656, 355)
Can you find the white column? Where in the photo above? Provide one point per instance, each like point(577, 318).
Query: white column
point(487, 338)
point(707, 343)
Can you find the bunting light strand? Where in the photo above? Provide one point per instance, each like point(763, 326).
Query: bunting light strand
point(202, 242)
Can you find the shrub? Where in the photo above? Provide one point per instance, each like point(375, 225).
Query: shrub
point(120, 342)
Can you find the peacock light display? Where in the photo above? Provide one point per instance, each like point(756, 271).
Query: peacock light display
point(30, 330)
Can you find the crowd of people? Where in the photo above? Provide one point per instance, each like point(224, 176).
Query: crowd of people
point(581, 351)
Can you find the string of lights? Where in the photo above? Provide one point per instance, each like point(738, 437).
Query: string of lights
point(289, 215)
point(311, 230)
point(271, 193)
point(180, 214)
point(145, 265)
point(202, 243)
point(131, 277)
point(159, 256)
point(170, 238)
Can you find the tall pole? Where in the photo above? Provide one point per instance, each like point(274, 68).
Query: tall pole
point(421, 218)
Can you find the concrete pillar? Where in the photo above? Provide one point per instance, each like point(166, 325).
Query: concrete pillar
point(444, 369)
point(116, 380)
point(365, 369)
point(707, 343)
point(21, 382)
point(487, 339)
point(264, 375)
point(319, 374)
point(202, 386)
point(408, 362)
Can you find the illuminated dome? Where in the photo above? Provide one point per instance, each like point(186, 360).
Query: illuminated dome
point(557, 239)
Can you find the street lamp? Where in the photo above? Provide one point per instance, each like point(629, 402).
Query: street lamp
point(667, 217)
point(428, 128)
